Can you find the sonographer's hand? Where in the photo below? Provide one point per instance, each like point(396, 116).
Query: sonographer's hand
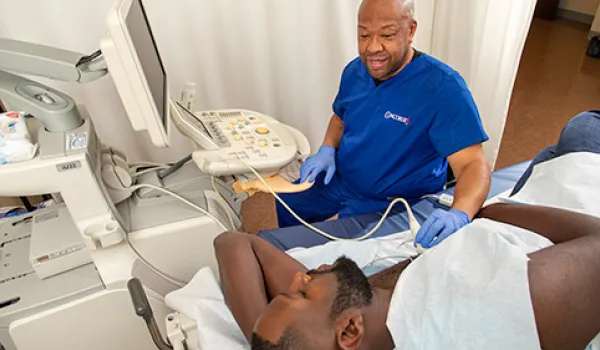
point(439, 226)
point(324, 160)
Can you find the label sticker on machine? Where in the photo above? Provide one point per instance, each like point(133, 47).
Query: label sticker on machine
point(76, 140)
point(46, 216)
point(68, 166)
point(57, 254)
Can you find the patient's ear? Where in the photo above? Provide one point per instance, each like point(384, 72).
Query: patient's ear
point(349, 330)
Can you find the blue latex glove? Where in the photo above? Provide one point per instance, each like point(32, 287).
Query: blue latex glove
point(439, 226)
point(324, 160)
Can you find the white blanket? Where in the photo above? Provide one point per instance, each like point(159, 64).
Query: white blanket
point(471, 292)
point(202, 300)
point(569, 182)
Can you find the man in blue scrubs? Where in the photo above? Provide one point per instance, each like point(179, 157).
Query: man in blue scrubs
point(400, 117)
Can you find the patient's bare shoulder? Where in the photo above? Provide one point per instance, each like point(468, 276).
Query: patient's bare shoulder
point(564, 279)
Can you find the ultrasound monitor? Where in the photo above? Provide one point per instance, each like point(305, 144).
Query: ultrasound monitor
point(137, 70)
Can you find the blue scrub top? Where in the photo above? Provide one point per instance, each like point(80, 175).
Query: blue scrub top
point(398, 134)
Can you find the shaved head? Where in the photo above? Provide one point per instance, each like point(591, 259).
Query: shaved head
point(406, 7)
point(409, 7)
point(386, 30)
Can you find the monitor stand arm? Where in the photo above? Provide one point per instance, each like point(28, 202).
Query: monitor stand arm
point(55, 109)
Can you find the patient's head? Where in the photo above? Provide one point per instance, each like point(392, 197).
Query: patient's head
point(323, 308)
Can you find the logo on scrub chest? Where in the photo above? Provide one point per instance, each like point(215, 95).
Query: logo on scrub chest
point(403, 120)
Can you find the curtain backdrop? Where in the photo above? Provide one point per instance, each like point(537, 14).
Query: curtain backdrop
point(279, 57)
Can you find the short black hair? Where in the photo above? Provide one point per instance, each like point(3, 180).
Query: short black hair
point(353, 290)
point(289, 340)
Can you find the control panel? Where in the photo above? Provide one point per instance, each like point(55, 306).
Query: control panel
point(230, 138)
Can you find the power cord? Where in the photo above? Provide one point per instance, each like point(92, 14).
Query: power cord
point(185, 201)
point(137, 174)
point(168, 169)
point(413, 223)
point(147, 164)
point(152, 267)
point(178, 197)
point(173, 168)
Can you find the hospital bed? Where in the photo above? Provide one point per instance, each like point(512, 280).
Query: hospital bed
point(203, 320)
point(356, 226)
point(182, 330)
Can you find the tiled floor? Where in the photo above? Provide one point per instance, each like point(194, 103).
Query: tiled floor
point(556, 80)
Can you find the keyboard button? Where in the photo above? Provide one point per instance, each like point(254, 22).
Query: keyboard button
point(262, 131)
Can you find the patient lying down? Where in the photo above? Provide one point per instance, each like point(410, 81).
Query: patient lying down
point(546, 299)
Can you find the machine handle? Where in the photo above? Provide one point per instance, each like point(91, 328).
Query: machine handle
point(144, 310)
point(139, 299)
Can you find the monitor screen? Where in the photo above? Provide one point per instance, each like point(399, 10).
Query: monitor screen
point(147, 52)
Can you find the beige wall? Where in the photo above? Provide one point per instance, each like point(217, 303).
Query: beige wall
point(596, 25)
point(588, 7)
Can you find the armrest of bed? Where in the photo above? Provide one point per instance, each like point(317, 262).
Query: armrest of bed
point(182, 332)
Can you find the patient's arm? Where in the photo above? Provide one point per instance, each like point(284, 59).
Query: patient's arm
point(252, 272)
point(564, 279)
point(557, 225)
